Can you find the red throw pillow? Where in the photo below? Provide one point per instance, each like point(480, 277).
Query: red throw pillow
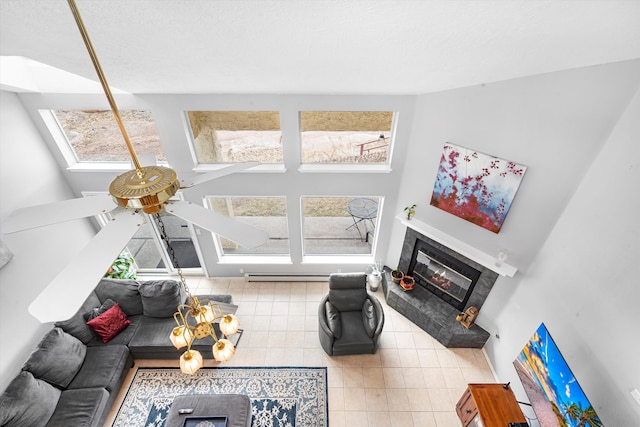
point(110, 323)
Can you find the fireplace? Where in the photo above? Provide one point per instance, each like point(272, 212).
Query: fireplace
point(450, 279)
point(447, 283)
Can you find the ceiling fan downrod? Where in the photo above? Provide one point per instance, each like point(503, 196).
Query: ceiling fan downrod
point(149, 187)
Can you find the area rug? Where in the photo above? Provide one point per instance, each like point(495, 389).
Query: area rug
point(280, 397)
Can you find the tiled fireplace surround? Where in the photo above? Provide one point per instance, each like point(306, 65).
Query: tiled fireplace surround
point(428, 311)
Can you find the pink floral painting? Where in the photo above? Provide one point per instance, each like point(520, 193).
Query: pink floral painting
point(476, 187)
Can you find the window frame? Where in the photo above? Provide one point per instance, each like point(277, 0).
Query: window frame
point(350, 167)
point(225, 258)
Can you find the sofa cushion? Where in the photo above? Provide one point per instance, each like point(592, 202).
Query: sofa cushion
point(151, 340)
point(369, 317)
point(104, 367)
point(160, 298)
point(77, 325)
point(217, 299)
point(86, 408)
point(110, 323)
point(333, 319)
point(27, 402)
point(123, 338)
point(124, 292)
point(97, 311)
point(355, 339)
point(57, 358)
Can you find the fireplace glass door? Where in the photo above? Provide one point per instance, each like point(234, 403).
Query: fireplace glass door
point(438, 275)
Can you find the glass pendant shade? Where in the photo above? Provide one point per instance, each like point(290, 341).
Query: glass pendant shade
point(190, 362)
point(223, 350)
point(206, 314)
point(229, 324)
point(180, 336)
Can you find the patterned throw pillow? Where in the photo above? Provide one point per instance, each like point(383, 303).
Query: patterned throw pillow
point(110, 323)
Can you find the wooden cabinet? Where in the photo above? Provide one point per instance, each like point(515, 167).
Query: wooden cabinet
point(489, 405)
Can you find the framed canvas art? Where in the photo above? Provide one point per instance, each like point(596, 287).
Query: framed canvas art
point(553, 391)
point(475, 186)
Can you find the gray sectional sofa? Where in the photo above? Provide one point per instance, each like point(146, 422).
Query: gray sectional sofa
point(73, 376)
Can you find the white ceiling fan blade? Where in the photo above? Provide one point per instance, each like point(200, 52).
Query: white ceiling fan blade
point(53, 213)
point(199, 179)
point(62, 297)
point(243, 234)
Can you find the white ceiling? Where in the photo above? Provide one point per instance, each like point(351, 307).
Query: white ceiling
point(320, 46)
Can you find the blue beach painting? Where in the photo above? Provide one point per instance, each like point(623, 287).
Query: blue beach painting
point(553, 391)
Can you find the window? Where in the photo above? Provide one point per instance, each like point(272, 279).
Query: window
point(94, 136)
point(265, 213)
point(340, 225)
point(236, 136)
point(149, 251)
point(351, 137)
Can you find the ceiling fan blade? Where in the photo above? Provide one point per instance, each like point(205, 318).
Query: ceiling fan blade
point(244, 235)
point(62, 297)
point(199, 179)
point(53, 213)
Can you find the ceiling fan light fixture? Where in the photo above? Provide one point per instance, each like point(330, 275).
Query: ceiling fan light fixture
point(147, 188)
point(191, 361)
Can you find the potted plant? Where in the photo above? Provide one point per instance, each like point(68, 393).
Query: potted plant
point(124, 267)
point(410, 210)
point(407, 283)
point(397, 275)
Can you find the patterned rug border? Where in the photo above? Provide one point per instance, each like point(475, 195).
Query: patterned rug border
point(141, 369)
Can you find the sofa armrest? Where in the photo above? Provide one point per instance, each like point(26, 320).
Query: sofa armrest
point(380, 313)
point(324, 332)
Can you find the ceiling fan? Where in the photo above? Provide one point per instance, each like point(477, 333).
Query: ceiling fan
point(144, 189)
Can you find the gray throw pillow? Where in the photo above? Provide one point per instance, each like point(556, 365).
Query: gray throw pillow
point(77, 325)
point(160, 298)
point(28, 402)
point(57, 359)
point(95, 312)
point(333, 320)
point(369, 317)
point(124, 292)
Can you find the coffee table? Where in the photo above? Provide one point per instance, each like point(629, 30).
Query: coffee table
point(236, 407)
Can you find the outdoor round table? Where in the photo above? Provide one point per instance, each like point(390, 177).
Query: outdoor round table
point(362, 210)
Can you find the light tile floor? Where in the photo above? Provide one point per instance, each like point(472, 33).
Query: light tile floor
point(411, 381)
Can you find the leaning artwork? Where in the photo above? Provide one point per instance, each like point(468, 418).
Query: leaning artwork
point(476, 187)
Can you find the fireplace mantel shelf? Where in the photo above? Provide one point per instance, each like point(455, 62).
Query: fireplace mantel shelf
point(463, 248)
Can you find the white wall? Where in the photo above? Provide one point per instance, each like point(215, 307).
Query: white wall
point(28, 175)
point(585, 284)
point(576, 255)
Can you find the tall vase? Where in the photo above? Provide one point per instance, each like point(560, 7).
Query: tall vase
point(373, 280)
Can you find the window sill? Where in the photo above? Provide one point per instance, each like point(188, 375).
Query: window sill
point(254, 259)
point(337, 259)
point(344, 168)
point(262, 168)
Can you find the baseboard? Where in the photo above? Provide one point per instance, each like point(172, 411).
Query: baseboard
point(486, 356)
point(284, 277)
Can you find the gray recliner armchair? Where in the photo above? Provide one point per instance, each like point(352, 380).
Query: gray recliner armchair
point(350, 320)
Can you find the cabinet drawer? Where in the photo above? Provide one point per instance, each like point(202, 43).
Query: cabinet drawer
point(466, 408)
